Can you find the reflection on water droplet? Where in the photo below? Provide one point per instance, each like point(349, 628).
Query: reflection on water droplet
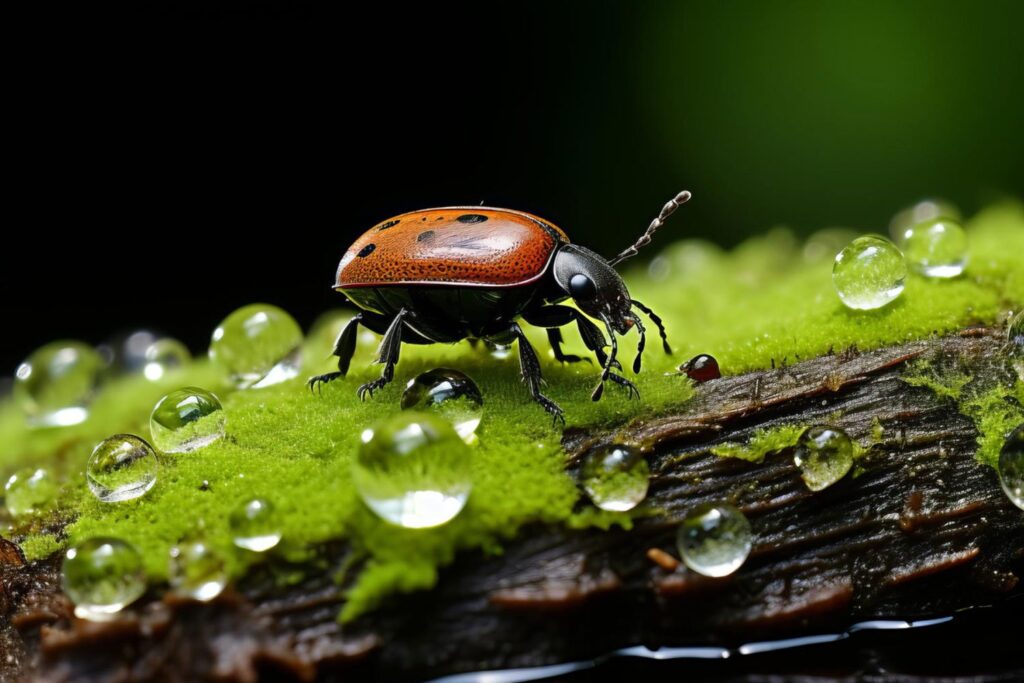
point(924, 210)
point(257, 345)
point(102, 576)
point(449, 393)
point(936, 248)
point(615, 477)
point(869, 273)
point(1011, 466)
point(714, 539)
point(254, 526)
point(413, 470)
point(29, 491)
point(197, 571)
point(56, 383)
point(121, 467)
point(824, 455)
point(186, 419)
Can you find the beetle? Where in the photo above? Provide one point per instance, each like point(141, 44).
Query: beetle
point(460, 272)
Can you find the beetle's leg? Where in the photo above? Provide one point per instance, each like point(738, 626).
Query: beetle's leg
point(344, 347)
point(387, 355)
point(606, 372)
point(557, 316)
point(657, 321)
point(555, 339)
point(529, 365)
point(641, 346)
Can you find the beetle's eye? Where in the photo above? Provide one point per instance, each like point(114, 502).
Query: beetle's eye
point(581, 287)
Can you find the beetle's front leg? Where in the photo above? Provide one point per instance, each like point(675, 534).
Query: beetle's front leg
point(387, 354)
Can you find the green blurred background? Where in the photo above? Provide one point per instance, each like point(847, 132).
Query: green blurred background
point(175, 164)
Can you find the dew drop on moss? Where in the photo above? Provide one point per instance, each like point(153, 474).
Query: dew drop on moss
point(1011, 466)
point(164, 356)
point(499, 351)
point(615, 477)
point(29, 490)
point(413, 470)
point(257, 346)
point(255, 526)
point(121, 467)
point(869, 273)
point(924, 210)
point(714, 539)
point(56, 383)
point(823, 455)
point(102, 576)
point(197, 571)
point(450, 394)
point(186, 419)
point(936, 248)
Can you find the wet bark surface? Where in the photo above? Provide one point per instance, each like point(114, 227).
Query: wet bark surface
point(921, 530)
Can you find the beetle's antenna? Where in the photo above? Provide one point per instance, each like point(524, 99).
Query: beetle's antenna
point(645, 238)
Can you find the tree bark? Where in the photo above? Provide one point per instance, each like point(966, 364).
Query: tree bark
point(923, 530)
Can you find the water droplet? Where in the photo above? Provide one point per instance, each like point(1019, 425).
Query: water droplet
point(824, 455)
point(701, 368)
point(254, 526)
point(499, 351)
point(102, 576)
point(56, 383)
point(714, 539)
point(826, 243)
point(869, 273)
point(164, 356)
point(121, 467)
point(29, 491)
point(126, 352)
point(258, 345)
point(615, 477)
point(924, 210)
point(936, 248)
point(413, 470)
point(196, 570)
point(186, 419)
point(1011, 466)
point(449, 393)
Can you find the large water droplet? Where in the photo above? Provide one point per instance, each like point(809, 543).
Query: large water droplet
point(936, 248)
point(258, 345)
point(714, 539)
point(413, 470)
point(449, 393)
point(29, 491)
point(186, 419)
point(196, 570)
point(164, 356)
point(102, 576)
point(924, 210)
point(824, 455)
point(1011, 466)
point(255, 526)
point(56, 383)
point(869, 273)
point(121, 467)
point(615, 477)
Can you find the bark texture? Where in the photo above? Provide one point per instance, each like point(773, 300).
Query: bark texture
point(922, 530)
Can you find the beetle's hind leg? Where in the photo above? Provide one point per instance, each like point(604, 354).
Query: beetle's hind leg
point(344, 348)
point(387, 355)
point(529, 364)
point(555, 339)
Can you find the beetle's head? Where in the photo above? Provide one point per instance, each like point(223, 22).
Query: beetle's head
point(595, 286)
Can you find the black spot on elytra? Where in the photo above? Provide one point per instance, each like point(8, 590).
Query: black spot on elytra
point(367, 250)
point(439, 218)
point(425, 235)
point(389, 224)
point(471, 218)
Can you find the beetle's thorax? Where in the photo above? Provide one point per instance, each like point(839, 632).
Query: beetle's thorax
point(593, 285)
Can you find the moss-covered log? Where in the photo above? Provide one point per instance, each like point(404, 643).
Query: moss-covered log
point(919, 529)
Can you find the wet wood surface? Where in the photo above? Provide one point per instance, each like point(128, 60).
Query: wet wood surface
point(920, 530)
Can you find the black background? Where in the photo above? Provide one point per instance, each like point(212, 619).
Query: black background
point(167, 166)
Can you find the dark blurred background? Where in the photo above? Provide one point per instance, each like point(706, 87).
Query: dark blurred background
point(167, 166)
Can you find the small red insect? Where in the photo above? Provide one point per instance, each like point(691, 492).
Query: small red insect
point(469, 272)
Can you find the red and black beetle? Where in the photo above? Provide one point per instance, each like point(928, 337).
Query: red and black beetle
point(460, 272)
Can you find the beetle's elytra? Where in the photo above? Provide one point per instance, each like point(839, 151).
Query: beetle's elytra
point(470, 272)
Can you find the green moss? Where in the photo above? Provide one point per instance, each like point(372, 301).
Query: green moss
point(944, 383)
point(762, 302)
point(763, 442)
point(996, 413)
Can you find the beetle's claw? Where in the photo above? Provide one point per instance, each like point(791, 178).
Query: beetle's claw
point(315, 383)
point(623, 382)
